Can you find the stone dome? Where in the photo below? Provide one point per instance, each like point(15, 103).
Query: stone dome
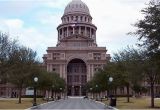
point(76, 6)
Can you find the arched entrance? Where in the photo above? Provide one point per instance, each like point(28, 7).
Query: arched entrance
point(76, 77)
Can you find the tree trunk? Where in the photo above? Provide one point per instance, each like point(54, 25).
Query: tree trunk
point(20, 93)
point(44, 93)
point(152, 94)
point(55, 95)
point(108, 93)
point(128, 99)
point(52, 94)
point(116, 91)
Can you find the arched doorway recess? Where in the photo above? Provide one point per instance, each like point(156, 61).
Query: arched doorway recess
point(76, 77)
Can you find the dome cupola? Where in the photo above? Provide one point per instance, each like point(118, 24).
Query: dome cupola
point(77, 21)
point(76, 6)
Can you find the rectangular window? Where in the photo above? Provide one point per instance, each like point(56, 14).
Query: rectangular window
point(54, 69)
point(97, 56)
point(83, 78)
point(56, 56)
point(70, 79)
point(97, 67)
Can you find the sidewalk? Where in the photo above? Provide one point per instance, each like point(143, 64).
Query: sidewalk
point(1, 98)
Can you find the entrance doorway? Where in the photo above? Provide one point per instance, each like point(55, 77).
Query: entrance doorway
point(76, 78)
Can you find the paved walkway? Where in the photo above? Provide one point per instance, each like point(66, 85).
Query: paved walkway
point(73, 103)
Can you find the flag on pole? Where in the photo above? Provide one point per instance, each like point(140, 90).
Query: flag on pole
point(73, 25)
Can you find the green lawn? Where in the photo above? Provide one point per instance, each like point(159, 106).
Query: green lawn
point(13, 103)
point(135, 103)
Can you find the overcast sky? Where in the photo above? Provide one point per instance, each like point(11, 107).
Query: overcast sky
point(34, 22)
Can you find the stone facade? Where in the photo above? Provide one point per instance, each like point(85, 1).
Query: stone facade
point(9, 90)
point(76, 57)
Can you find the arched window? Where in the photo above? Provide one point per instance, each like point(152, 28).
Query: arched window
point(76, 18)
point(68, 19)
point(80, 6)
point(85, 19)
point(81, 18)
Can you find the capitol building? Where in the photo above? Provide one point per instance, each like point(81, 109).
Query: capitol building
point(76, 57)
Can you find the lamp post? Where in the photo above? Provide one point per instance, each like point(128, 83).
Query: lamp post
point(34, 100)
point(96, 91)
point(110, 80)
point(112, 98)
point(52, 92)
point(80, 90)
point(72, 90)
point(91, 91)
point(60, 92)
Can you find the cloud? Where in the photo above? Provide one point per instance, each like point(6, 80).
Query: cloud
point(56, 3)
point(113, 19)
point(3, 26)
point(14, 23)
point(30, 36)
point(35, 21)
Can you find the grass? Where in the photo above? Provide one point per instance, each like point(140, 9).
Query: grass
point(135, 103)
point(13, 103)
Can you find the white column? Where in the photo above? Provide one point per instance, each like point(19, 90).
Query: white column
point(79, 29)
point(83, 18)
point(92, 70)
point(69, 18)
point(85, 32)
point(79, 18)
point(74, 18)
point(73, 30)
point(88, 73)
point(60, 72)
point(90, 32)
point(64, 73)
point(62, 33)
